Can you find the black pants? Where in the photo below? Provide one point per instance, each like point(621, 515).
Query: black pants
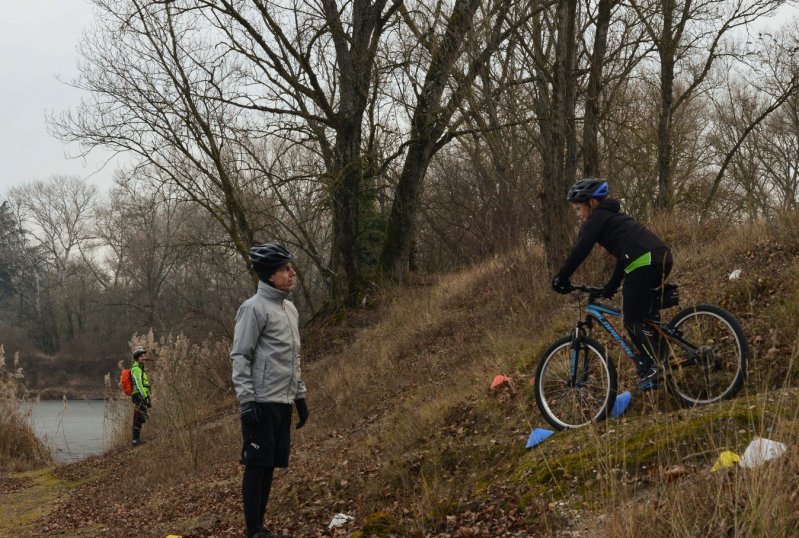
point(139, 415)
point(638, 303)
point(264, 447)
point(255, 487)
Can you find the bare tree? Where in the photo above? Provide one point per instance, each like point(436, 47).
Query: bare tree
point(448, 78)
point(155, 83)
point(547, 56)
point(315, 65)
point(779, 155)
point(57, 215)
point(689, 37)
point(147, 226)
point(772, 82)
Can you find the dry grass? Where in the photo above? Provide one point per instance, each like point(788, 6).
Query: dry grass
point(429, 360)
point(19, 446)
point(436, 350)
point(191, 389)
point(683, 498)
point(402, 422)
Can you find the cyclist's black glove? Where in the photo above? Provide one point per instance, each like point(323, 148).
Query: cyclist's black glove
point(147, 402)
point(561, 284)
point(608, 291)
point(248, 413)
point(302, 411)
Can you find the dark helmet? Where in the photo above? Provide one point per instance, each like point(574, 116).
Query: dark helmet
point(138, 352)
point(269, 257)
point(585, 189)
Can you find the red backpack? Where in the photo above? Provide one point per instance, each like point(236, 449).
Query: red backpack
point(125, 382)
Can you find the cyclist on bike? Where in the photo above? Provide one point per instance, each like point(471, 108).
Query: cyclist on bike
point(643, 261)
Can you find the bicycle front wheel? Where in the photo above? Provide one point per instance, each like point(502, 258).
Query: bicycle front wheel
point(575, 387)
point(707, 361)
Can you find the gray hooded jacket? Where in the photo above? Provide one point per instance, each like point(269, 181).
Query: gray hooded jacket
point(266, 349)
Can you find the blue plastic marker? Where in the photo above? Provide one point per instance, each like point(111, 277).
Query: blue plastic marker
point(538, 436)
point(622, 403)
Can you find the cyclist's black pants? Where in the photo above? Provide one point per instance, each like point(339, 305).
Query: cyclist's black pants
point(638, 303)
point(139, 415)
point(255, 488)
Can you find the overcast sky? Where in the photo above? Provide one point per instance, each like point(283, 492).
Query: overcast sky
point(38, 39)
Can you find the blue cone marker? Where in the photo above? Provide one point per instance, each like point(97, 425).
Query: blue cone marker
point(622, 402)
point(538, 436)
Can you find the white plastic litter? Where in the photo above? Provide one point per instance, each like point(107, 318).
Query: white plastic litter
point(339, 520)
point(760, 451)
point(735, 275)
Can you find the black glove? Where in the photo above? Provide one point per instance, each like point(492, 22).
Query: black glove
point(248, 413)
point(561, 284)
point(608, 291)
point(302, 411)
point(147, 402)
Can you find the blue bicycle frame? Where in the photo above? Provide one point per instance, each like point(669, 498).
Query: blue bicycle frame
point(600, 313)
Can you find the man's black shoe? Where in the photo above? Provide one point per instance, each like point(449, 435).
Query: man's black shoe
point(266, 534)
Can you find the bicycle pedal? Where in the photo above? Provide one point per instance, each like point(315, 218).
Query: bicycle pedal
point(647, 386)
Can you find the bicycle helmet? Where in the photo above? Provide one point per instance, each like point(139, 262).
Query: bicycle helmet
point(585, 189)
point(268, 258)
point(138, 352)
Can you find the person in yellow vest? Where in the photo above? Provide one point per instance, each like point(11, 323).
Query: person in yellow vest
point(141, 393)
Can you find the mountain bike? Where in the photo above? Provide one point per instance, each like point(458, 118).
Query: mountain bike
point(703, 360)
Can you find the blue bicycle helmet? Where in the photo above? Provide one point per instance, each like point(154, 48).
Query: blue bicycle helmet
point(585, 189)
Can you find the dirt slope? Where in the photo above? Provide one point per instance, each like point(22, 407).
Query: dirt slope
point(406, 437)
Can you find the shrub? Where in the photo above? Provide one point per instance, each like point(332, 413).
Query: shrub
point(19, 446)
point(191, 386)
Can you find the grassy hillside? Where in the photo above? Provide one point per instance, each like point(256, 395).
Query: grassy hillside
point(405, 436)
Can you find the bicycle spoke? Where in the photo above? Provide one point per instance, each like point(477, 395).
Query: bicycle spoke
point(715, 367)
point(570, 399)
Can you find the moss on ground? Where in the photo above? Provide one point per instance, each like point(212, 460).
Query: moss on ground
point(21, 509)
point(379, 524)
point(571, 460)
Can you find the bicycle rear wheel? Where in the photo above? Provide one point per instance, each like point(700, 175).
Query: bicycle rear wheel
point(572, 391)
point(712, 367)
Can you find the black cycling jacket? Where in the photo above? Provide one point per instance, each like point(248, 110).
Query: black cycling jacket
point(620, 234)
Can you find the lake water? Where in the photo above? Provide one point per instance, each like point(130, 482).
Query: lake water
point(73, 429)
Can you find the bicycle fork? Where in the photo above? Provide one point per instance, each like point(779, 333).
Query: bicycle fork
point(578, 376)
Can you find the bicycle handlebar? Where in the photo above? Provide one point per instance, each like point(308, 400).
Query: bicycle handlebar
point(592, 291)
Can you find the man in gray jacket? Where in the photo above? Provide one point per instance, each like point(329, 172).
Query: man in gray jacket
point(267, 378)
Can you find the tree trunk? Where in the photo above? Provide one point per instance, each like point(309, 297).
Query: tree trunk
point(395, 257)
point(346, 195)
point(567, 83)
point(666, 49)
point(591, 160)
point(427, 126)
point(555, 212)
point(557, 141)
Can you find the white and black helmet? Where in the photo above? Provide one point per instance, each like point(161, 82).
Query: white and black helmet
point(269, 257)
point(138, 352)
